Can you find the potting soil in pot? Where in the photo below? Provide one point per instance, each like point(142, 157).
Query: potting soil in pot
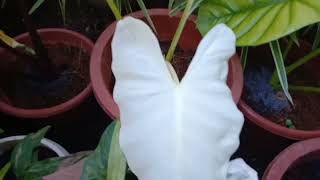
point(25, 88)
point(181, 59)
point(272, 103)
point(304, 171)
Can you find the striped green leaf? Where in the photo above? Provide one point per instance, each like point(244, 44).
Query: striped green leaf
point(257, 22)
point(281, 69)
point(107, 162)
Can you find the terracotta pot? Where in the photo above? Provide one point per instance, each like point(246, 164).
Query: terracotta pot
point(100, 67)
point(272, 127)
point(297, 153)
point(51, 35)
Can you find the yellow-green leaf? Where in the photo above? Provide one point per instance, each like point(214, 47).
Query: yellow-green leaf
point(107, 162)
point(257, 22)
point(4, 170)
point(14, 44)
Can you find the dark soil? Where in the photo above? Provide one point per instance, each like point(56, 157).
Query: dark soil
point(181, 59)
point(272, 104)
point(304, 171)
point(26, 88)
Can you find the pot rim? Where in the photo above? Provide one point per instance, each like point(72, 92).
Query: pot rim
point(55, 147)
point(101, 92)
point(57, 109)
point(282, 162)
point(274, 128)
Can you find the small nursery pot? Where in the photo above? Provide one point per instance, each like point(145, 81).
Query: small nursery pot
point(8, 143)
point(272, 127)
point(295, 154)
point(100, 63)
point(54, 35)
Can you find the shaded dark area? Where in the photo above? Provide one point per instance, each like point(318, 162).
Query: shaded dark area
point(306, 170)
point(81, 128)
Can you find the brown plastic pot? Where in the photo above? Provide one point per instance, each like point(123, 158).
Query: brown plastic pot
point(295, 154)
point(100, 67)
point(272, 127)
point(51, 35)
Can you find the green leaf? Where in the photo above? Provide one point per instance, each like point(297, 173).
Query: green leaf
point(107, 162)
point(46, 167)
point(257, 22)
point(146, 14)
point(4, 170)
point(280, 68)
point(1, 131)
point(316, 41)
point(35, 6)
point(244, 57)
point(9, 41)
point(42, 168)
point(22, 155)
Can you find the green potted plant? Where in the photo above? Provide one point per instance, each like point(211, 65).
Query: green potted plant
point(50, 80)
point(266, 100)
point(19, 155)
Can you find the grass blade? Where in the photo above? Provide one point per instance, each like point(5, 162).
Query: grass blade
point(62, 4)
point(316, 41)
point(146, 14)
point(170, 4)
point(3, 3)
point(280, 68)
point(295, 39)
point(244, 56)
point(4, 170)
point(35, 6)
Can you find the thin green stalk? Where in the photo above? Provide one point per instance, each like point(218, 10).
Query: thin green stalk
point(114, 9)
point(179, 31)
point(310, 89)
point(244, 57)
point(287, 50)
point(302, 61)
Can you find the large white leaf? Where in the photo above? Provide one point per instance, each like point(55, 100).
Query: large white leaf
point(174, 130)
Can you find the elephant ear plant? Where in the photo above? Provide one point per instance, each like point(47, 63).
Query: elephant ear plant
point(170, 129)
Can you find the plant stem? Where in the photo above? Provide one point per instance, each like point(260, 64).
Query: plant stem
point(302, 88)
point(179, 31)
point(289, 47)
point(302, 61)
point(41, 51)
point(295, 65)
point(114, 9)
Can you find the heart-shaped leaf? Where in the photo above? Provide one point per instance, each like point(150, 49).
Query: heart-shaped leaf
point(259, 21)
point(107, 162)
point(173, 130)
